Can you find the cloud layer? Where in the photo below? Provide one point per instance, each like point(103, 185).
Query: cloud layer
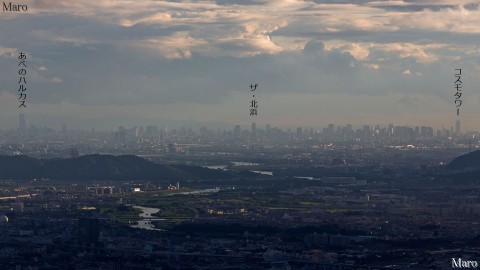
point(146, 53)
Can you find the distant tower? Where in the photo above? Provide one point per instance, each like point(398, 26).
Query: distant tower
point(268, 130)
point(121, 135)
point(254, 130)
point(299, 132)
point(22, 124)
point(64, 133)
point(237, 131)
point(391, 129)
point(457, 127)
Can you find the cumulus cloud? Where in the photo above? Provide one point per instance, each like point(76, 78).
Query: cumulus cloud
point(8, 52)
point(56, 80)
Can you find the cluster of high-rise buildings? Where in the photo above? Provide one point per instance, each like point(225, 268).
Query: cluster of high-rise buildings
point(330, 132)
point(147, 140)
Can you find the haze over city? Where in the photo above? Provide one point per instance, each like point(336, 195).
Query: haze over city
point(103, 64)
point(239, 134)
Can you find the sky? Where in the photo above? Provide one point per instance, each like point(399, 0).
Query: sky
point(105, 63)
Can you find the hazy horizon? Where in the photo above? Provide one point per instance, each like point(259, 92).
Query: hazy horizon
point(113, 125)
point(106, 63)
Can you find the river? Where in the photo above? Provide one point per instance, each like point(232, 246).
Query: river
point(224, 167)
point(208, 190)
point(147, 215)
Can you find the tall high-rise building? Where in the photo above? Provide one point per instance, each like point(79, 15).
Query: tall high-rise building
point(121, 135)
point(237, 131)
point(64, 131)
point(426, 132)
point(391, 129)
point(22, 123)
point(457, 127)
point(136, 132)
point(254, 130)
point(417, 132)
point(329, 131)
point(299, 132)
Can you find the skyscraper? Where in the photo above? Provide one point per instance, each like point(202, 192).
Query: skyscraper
point(457, 127)
point(299, 132)
point(64, 131)
point(268, 130)
point(237, 131)
point(121, 135)
point(22, 124)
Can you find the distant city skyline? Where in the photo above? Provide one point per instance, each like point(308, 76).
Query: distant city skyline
point(107, 63)
point(24, 123)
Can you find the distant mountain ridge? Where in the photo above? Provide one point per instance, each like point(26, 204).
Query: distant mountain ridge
point(467, 162)
point(99, 167)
